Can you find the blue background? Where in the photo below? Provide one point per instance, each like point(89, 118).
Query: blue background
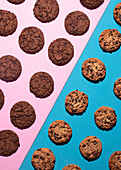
point(100, 94)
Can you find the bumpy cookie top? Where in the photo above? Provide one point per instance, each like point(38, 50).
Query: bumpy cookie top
point(71, 167)
point(2, 99)
point(91, 4)
point(117, 13)
point(117, 88)
point(115, 161)
point(16, 2)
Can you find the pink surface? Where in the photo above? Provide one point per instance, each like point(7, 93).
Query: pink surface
point(19, 90)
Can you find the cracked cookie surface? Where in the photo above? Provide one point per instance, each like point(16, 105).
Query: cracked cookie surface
point(2, 99)
point(91, 4)
point(117, 13)
point(115, 161)
point(117, 88)
point(71, 167)
point(16, 2)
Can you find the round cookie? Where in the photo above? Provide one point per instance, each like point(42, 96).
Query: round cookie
point(117, 13)
point(115, 161)
point(76, 102)
point(16, 2)
point(46, 10)
point(60, 132)
point(71, 167)
point(60, 51)
point(91, 4)
point(110, 40)
point(8, 23)
point(41, 84)
point(9, 142)
point(93, 70)
point(77, 23)
point(105, 118)
point(10, 68)
point(2, 99)
point(31, 40)
point(43, 159)
point(22, 115)
point(117, 88)
point(90, 148)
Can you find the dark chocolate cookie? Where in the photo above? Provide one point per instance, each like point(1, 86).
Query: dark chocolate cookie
point(10, 68)
point(93, 70)
point(76, 102)
point(117, 13)
point(43, 159)
point(91, 4)
point(9, 142)
point(22, 115)
point(117, 88)
point(46, 10)
point(60, 51)
point(90, 148)
point(16, 2)
point(60, 132)
point(31, 40)
point(110, 40)
point(2, 99)
point(41, 84)
point(71, 167)
point(115, 161)
point(105, 118)
point(77, 23)
point(8, 22)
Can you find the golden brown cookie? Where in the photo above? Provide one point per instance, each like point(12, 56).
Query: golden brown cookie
point(71, 167)
point(115, 161)
point(117, 13)
point(117, 88)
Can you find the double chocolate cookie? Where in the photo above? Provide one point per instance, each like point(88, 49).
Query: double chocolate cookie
point(117, 13)
point(60, 51)
point(16, 2)
point(43, 159)
point(93, 70)
point(91, 4)
point(60, 132)
point(71, 167)
point(46, 10)
point(77, 23)
point(117, 88)
point(115, 161)
point(2, 99)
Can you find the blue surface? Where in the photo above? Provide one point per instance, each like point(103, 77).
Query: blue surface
point(99, 95)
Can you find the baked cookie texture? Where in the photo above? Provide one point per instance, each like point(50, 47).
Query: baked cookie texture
point(60, 51)
point(115, 161)
point(77, 23)
point(60, 132)
point(46, 10)
point(93, 70)
point(16, 2)
point(91, 4)
point(8, 23)
point(71, 167)
point(2, 99)
point(117, 13)
point(117, 88)
point(43, 159)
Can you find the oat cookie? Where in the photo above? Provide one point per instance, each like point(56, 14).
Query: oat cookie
point(16, 2)
point(71, 167)
point(117, 13)
point(2, 99)
point(115, 161)
point(117, 88)
point(91, 4)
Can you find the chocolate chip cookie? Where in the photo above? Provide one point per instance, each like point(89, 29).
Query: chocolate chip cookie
point(22, 115)
point(2, 99)
point(41, 84)
point(71, 167)
point(117, 13)
point(43, 159)
point(60, 51)
point(91, 148)
point(60, 132)
point(77, 23)
point(8, 23)
point(31, 40)
point(76, 102)
point(46, 10)
point(9, 142)
point(93, 70)
point(117, 88)
point(91, 4)
point(10, 68)
point(115, 161)
point(16, 2)
point(110, 40)
point(105, 118)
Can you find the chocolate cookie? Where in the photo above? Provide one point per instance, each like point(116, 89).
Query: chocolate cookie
point(43, 159)
point(60, 132)
point(10, 68)
point(93, 70)
point(41, 84)
point(90, 148)
point(71, 167)
point(60, 51)
point(105, 118)
point(76, 102)
point(22, 115)
point(91, 4)
point(77, 23)
point(2, 99)
point(8, 22)
point(31, 40)
point(46, 10)
point(9, 142)
point(110, 40)
point(115, 161)
point(117, 13)
point(117, 88)
point(16, 2)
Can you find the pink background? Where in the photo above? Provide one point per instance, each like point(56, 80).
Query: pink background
point(19, 90)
